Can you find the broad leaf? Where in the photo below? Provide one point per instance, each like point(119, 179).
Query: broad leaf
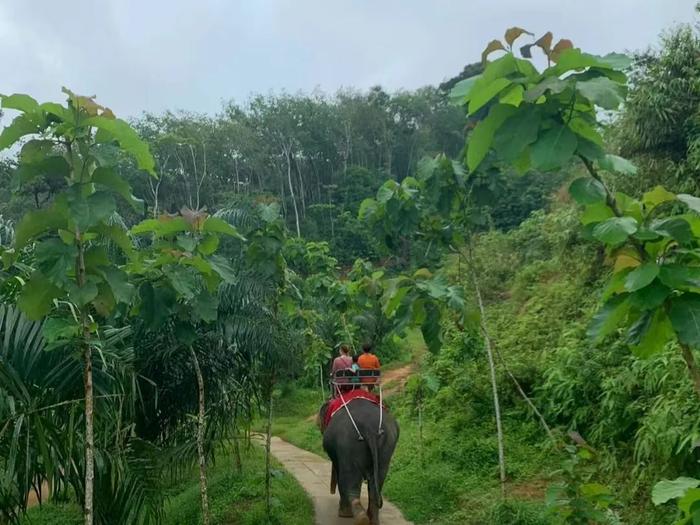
point(685, 318)
point(482, 94)
point(692, 202)
point(513, 33)
point(494, 45)
point(107, 178)
point(512, 95)
point(666, 490)
point(641, 276)
point(56, 260)
point(617, 164)
point(609, 317)
point(36, 297)
point(36, 222)
point(516, 133)
point(552, 84)
point(602, 91)
point(655, 331)
point(118, 281)
point(615, 230)
point(657, 196)
point(20, 102)
point(216, 225)
point(21, 126)
point(650, 297)
point(127, 138)
point(461, 91)
point(554, 148)
point(481, 137)
point(222, 268)
point(587, 190)
point(597, 212)
point(586, 130)
point(674, 227)
point(92, 210)
point(680, 277)
point(163, 226)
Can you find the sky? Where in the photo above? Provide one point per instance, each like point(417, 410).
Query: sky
point(154, 55)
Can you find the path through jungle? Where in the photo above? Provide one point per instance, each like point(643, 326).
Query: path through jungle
point(314, 474)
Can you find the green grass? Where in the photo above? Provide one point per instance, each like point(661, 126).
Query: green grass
point(234, 498)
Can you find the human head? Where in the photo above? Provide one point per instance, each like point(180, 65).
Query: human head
point(344, 349)
point(367, 348)
point(354, 358)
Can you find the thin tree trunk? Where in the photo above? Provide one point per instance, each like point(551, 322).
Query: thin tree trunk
point(692, 365)
point(494, 384)
point(89, 395)
point(201, 428)
point(291, 189)
point(268, 443)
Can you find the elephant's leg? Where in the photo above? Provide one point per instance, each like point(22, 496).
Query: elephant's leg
point(373, 509)
point(350, 485)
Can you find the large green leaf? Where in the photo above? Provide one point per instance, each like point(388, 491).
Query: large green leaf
point(587, 190)
point(602, 91)
point(674, 227)
point(91, 210)
point(82, 295)
point(163, 226)
point(666, 490)
point(109, 179)
point(183, 279)
point(585, 128)
point(127, 138)
point(653, 332)
point(223, 268)
point(482, 93)
point(56, 260)
point(554, 148)
point(680, 277)
point(609, 317)
point(594, 213)
point(21, 126)
point(216, 225)
point(685, 318)
point(20, 102)
point(36, 222)
point(692, 202)
point(480, 139)
point(461, 91)
point(516, 133)
point(552, 84)
point(36, 297)
point(617, 164)
point(641, 276)
point(430, 327)
point(649, 297)
point(656, 196)
point(118, 281)
point(615, 230)
point(156, 304)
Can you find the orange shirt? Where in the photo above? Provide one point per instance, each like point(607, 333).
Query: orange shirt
point(368, 361)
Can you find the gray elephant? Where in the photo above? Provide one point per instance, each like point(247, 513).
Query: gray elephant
point(356, 458)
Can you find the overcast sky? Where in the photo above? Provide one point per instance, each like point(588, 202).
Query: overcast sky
point(154, 55)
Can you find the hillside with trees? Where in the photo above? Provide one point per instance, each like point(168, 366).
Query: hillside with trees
point(521, 242)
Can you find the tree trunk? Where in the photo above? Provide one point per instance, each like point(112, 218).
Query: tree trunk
point(201, 428)
point(693, 370)
point(268, 443)
point(89, 512)
point(494, 385)
point(291, 189)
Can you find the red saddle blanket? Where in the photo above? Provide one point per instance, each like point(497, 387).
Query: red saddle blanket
point(337, 403)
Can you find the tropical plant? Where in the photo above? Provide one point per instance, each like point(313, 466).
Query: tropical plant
point(74, 280)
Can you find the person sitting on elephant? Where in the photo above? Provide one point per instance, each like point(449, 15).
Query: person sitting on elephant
point(368, 361)
point(342, 362)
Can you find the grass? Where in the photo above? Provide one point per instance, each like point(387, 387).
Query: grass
point(234, 498)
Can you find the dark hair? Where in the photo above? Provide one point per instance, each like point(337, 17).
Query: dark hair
point(355, 358)
point(367, 347)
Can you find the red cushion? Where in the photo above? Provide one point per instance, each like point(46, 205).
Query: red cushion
point(337, 403)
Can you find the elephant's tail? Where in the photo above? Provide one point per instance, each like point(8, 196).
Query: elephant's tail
point(374, 486)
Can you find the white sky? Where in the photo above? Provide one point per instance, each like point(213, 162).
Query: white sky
point(191, 54)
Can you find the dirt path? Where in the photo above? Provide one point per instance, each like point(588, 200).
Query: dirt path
point(313, 473)
point(394, 380)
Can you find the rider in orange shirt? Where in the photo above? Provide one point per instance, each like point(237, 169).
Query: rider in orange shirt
point(368, 361)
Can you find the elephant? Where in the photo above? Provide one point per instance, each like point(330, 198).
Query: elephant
point(357, 459)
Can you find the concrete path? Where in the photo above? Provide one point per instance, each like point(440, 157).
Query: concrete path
point(314, 474)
